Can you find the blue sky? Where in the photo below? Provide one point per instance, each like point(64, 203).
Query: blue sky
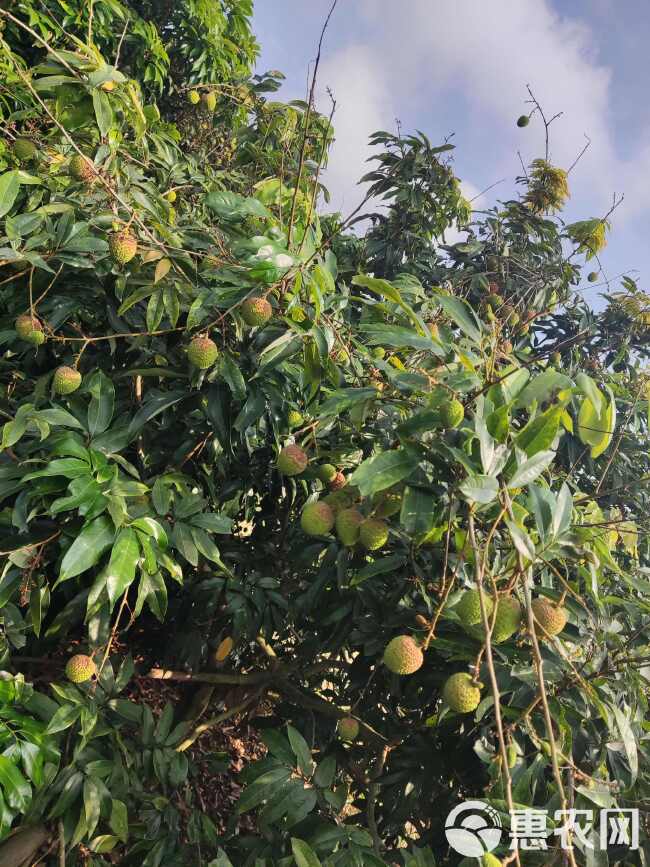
point(461, 67)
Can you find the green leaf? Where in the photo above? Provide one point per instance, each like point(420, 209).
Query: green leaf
point(17, 791)
point(540, 432)
point(119, 820)
point(87, 549)
point(384, 470)
point(387, 290)
point(479, 489)
point(543, 386)
point(301, 750)
point(121, 566)
point(462, 314)
point(418, 510)
point(102, 402)
point(104, 115)
point(92, 804)
point(531, 469)
point(303, 854)
point(66, 716)
point(629, 741)
point(9, 186)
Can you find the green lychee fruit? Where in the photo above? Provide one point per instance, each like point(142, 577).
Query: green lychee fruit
point(348, 522)
point(389, 503)
point(348, 728)
point(403, 655)
point(326, 472)
point(66, 380)
point(556, 359)
point(523, 120)
point(592, 276)
point(294, 418)
point(506, 622)
point(25, 325)
point(469, 607)
point(494, 301)
point(373, 534)
point(292, 461)
point(452, 412)
point(461, 693)
point(81, 169)
point(378, 352)
point(122, 246)
point(339, 500)
point(171, 196)
point(509, 315)
point(256, 311)
point(202, 352)
point(552, 618)
point(194, 97)
point(80, 668)
point(317, 519)
point(210, 100)
point(24, 149)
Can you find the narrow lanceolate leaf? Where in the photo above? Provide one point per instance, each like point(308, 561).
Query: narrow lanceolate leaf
point(303, 854)
point(102, 402)
point(121, 567)
point(384, 470)
point(462, 314)
point(9, 186)
point(479, 489)
point(87, 548)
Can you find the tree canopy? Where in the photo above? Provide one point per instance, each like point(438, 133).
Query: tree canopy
point(378, 498)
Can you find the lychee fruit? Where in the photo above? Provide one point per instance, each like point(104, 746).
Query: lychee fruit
point(326, 473)
point(30, 329)
point(461, 693)
point(348, 728)
point(80, 668)
point(202, 352)
point(24, 149)
point(294, 418)
point(378, 352)
point(210, 100)
point(373, 534)
point(317, 519)
point(452, 412)
point(506, 622)
point(66, 380)
point(81, 169)
point(403, 655)
point(348, 522)
point(469, 607)
point(523, 120)
point(509, 315)
point(171, 196)
point(256, 311)
point(122, 246)
point(194, 97)
point(339, 481)
point(551, 617)
point(339, 500)
point(292, 461)
point(592, 276)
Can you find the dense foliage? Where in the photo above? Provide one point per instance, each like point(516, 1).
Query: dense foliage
point(249, 449)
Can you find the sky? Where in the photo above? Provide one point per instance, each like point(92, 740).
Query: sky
point(460, 68)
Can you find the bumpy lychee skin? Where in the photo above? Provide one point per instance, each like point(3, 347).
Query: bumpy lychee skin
point(292, 461)
point(202, 352)
point(506, 622)
point(338, 481)
point(66, 380)
point(256, 311)
point(403, 655)
point(326, 473)
point(552, 618)
point(294, 418)
point(80, 668)
point(24, 149)
point(26, 324)
point(317, 519)
point(461, 694)
point(348, 523)
point(194, 97)
point(452, 412)
point(122, 246)
point(373, 534)
point(523, 120)
point(378, 352)
point(81, 169)
point(469, 607)
point(348, 728)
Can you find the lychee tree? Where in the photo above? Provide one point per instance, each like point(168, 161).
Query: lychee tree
point(381, 496)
